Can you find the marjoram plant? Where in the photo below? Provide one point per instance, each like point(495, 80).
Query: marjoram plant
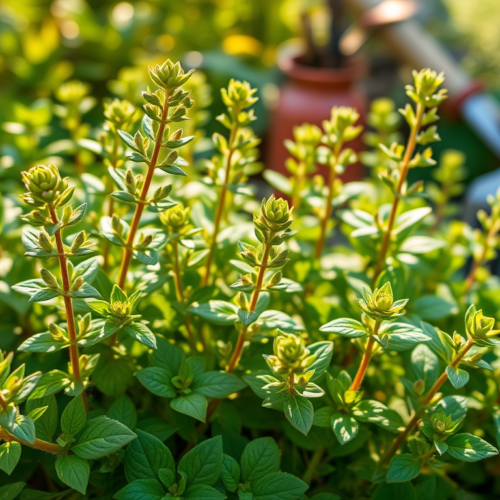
point(154, 364)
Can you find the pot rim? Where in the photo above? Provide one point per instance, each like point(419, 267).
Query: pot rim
point(355, 69)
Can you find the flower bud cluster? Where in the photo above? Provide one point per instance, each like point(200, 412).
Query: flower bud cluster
point(380, 304)
point(290, 355)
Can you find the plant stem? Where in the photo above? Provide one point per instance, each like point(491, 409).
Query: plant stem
point(37, 445)
point(220, 204)
point(127, 256)
point(365, 361)
point(478, 263)
point(233, 363)
point(405, 166)
point(426, 401)
point(313, 464)
point(73, 348)
point(179, 290)
point(332, 175)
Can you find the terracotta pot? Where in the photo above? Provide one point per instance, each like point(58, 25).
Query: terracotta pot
point(307, 96)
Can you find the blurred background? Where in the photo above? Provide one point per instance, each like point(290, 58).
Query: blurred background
point(347, 57)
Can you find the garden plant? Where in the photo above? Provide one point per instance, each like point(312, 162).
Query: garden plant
point(176, 330)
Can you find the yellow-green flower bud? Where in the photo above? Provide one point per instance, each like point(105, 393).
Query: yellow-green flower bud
point(290, 354)
point(118, 113)
point(44, 184)
point(478, 326)
point(44, 241)
point(72, 91)
point(175, 218)
point(77, 284)
point(169, 76)
point(242, 301)
point(380, 305)
point(78, 241)
point(419, 387)
point(276, 210)
point(238, 95)
point(49, 279)
point(120, 309)
point(56, 332)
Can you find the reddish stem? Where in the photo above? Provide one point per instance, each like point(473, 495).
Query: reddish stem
point(220, 205)
point(73, 348)
point(127, 256)
point(410, 148)
point(425, 402)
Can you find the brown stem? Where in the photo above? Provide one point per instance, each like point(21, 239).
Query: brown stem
point(478, 263)
point(220, 205)
point(128, 252)
point(365, 361)
point(233, 363)
point(405, 166)
point(37, 445)
point(68, 304)
point(425, 402)
point(332, 175)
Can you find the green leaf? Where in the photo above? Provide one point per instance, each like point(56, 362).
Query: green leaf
point(10, 491)
point(299, 412)
point(231, 473)
point(123, 410)
point(346, 327)
point(325, 496)
point(375, 412)
point(145, 456)
point(323, 416)
point(167, 356)
point(433, 307)
point(43, 342)
point(344, 427)
point(278, 485)
point(10, 453)
point(404, 467)
point(157, 380)
point(407, 222)
point(403, 491)
point(457, 377)
point(260, 457)
point(323, 352)
point(217, 312)
point(421, 244)
point(203, 464)
point(469, 448)
point(101, 436)
point(123, 196)
point(23, 428)
point(141, 333)
point(73, 417)
point(403, 336)
point(217, 384)
point(74, 472)
point(46, 425)
point(203, 492)
point(425, 365)
point(143, 489)
point(193, 405)
point(248, 317)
